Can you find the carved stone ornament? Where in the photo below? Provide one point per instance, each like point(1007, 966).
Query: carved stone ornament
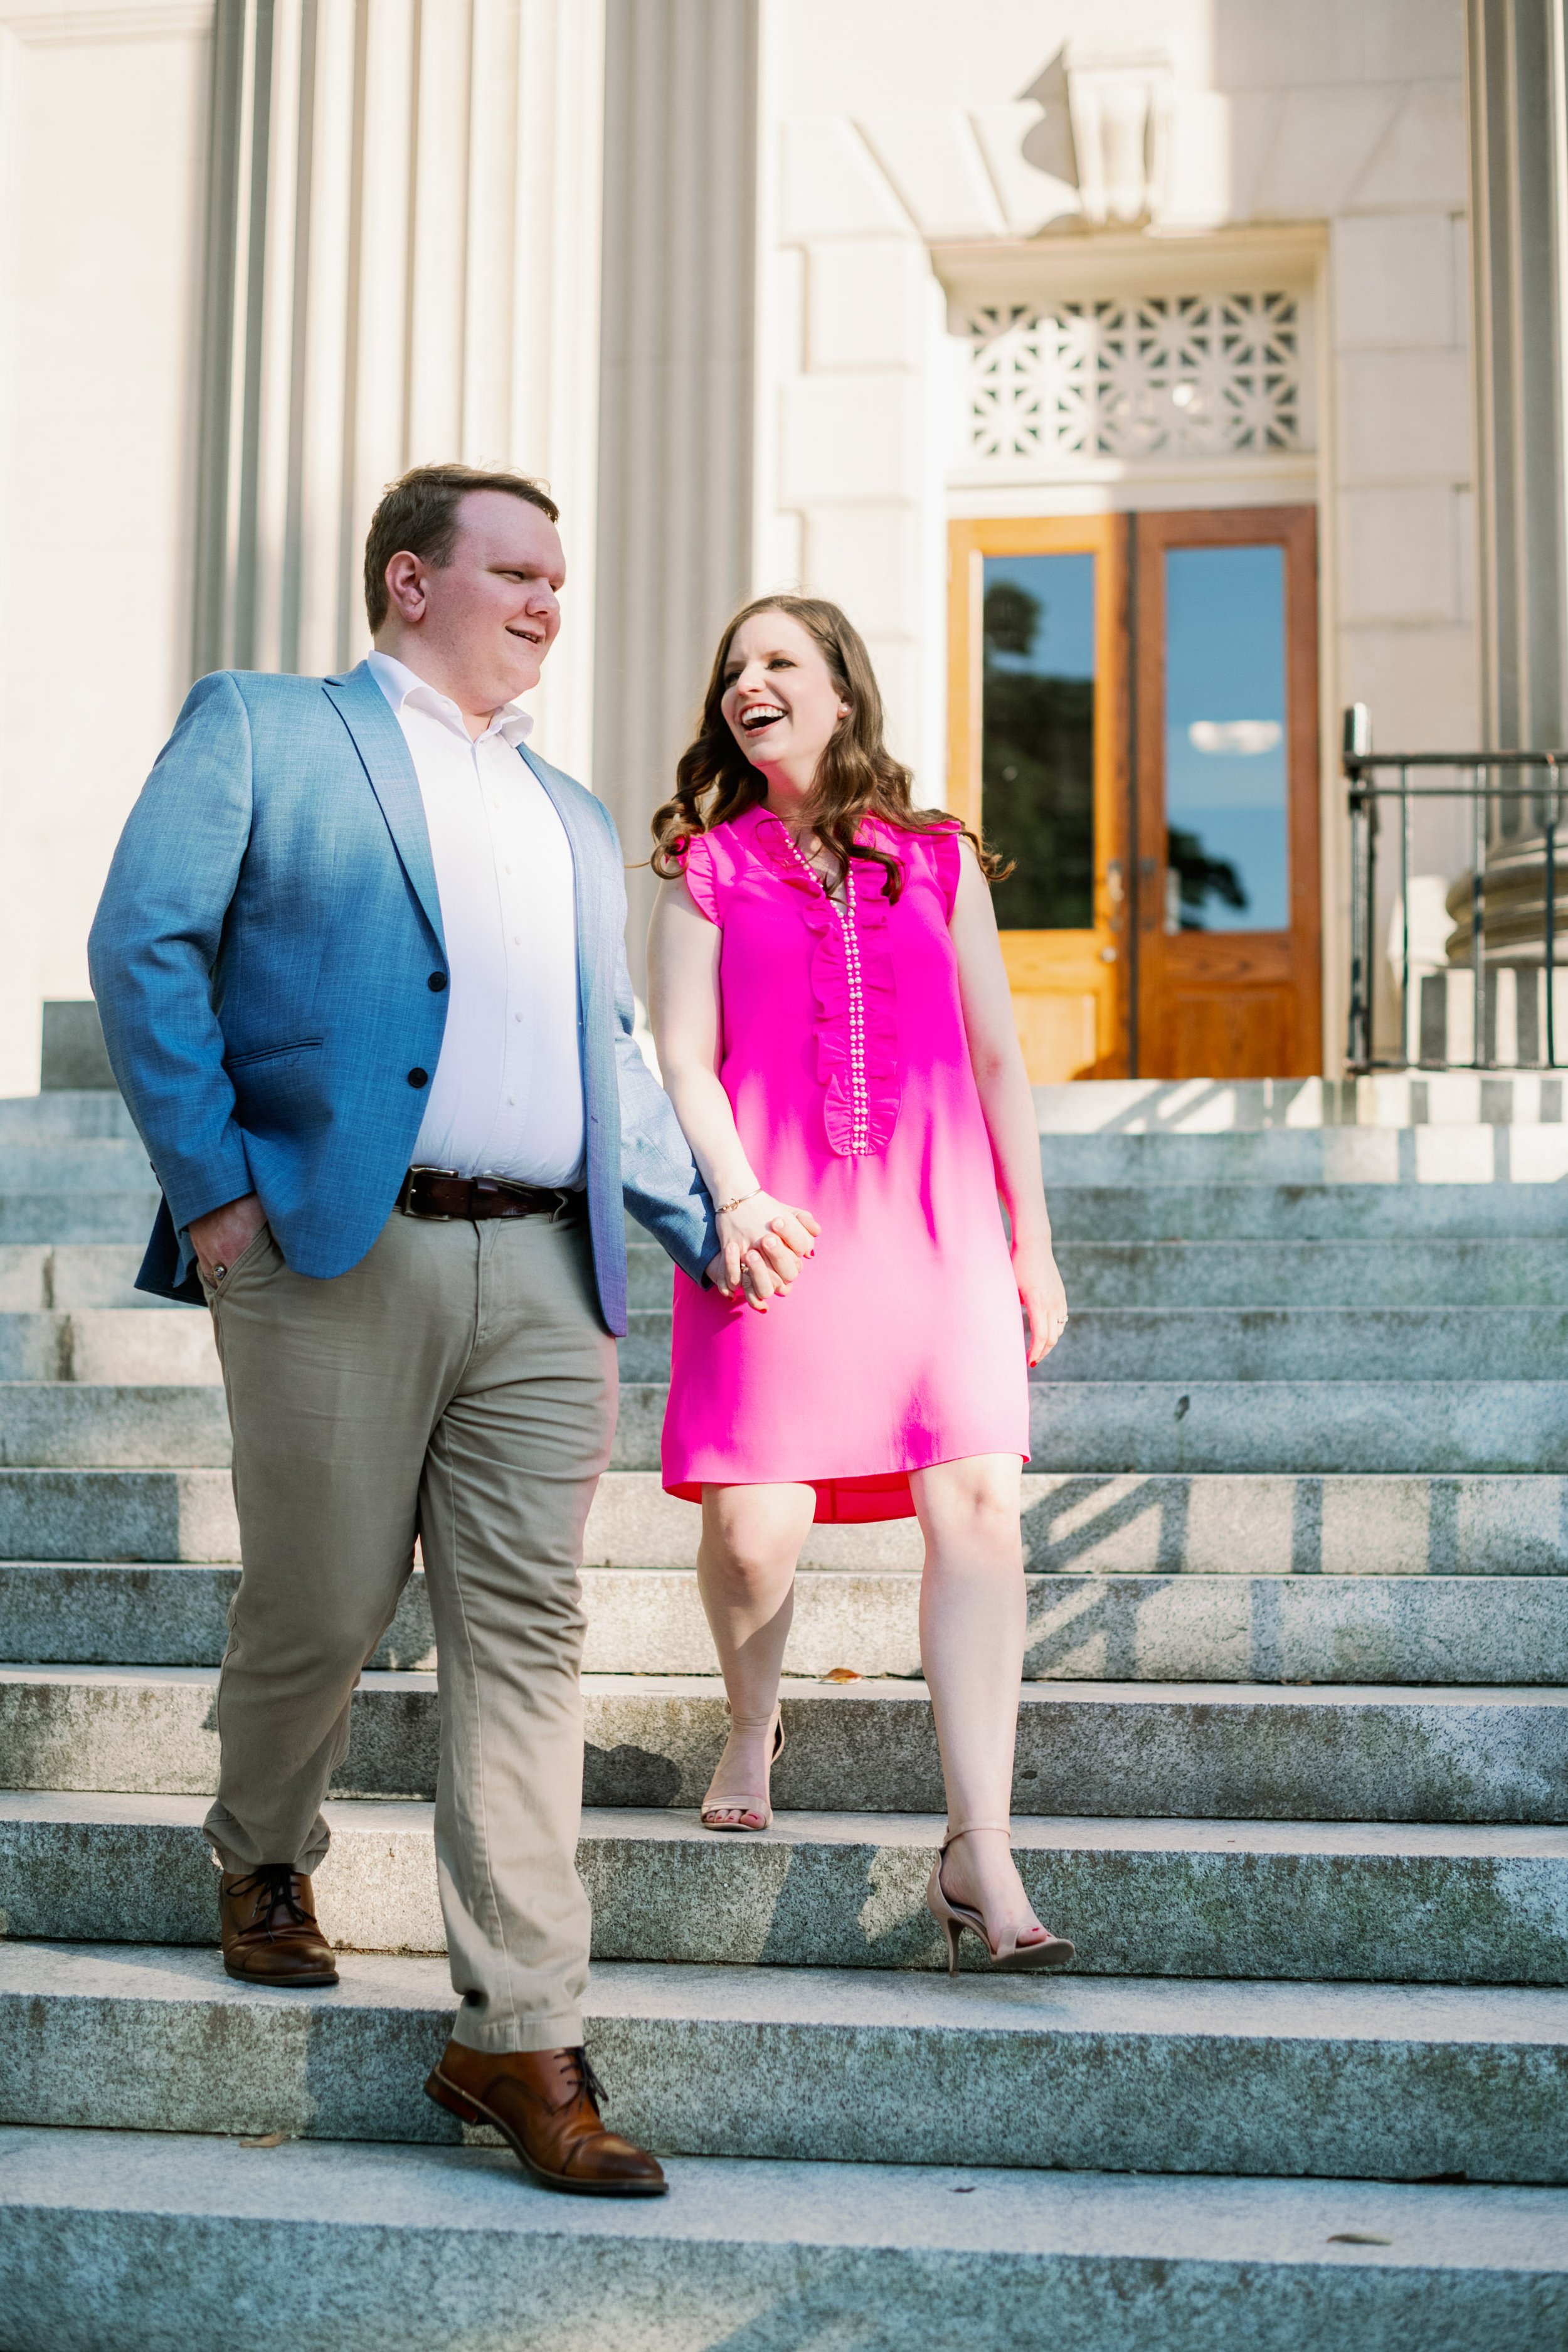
point(1184, 375)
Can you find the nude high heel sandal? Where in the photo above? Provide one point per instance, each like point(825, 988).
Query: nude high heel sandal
point(1050, 1952)
point(761, 1805)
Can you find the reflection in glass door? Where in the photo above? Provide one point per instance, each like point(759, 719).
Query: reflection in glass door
point(1037, 757)
point(1038, 737)
point(1228, 857)
point(1228, 948)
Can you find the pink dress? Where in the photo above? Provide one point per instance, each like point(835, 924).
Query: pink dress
point(844, 1055)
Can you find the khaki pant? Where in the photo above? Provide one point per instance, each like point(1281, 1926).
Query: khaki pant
point(457, 1384)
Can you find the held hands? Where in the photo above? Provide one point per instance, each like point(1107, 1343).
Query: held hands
point(761, 1245)
point(1045, 1300)
point(224, 1235)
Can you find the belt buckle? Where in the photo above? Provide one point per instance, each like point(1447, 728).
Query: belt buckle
point(429, 1216)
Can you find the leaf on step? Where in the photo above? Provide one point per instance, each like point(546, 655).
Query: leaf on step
point(265, 2139)
point(1358, 2238)
point(842, 1674)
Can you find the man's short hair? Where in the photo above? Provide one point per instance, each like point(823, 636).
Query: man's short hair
point(418, 515)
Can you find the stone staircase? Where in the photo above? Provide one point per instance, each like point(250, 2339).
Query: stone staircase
point(1292, 1771)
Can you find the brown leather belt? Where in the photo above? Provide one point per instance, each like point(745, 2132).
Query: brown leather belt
point(434, 1192)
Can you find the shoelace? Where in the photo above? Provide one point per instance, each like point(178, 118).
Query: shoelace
point(276, 1881)
point(589, 2080)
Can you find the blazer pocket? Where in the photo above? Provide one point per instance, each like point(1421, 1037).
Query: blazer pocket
point(270, 1053)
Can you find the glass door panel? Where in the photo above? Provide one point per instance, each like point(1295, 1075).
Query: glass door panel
point(1038, 733)
point(1225, 788)
point(1038, 737)
point(1228, 948)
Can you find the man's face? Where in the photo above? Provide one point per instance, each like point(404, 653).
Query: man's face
point(485, 619)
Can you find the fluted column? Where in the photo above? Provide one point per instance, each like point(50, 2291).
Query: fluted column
point(676, 395)
point(1518, 174)
point(1517, 92)
point(402, 259)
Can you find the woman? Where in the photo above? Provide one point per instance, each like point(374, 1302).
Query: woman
point(834, 1027)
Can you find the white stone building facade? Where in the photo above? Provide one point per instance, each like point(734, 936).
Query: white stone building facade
point(860, 298)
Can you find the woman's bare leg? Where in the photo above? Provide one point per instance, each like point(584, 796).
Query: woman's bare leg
point(971, 1649)
point(751, 1537)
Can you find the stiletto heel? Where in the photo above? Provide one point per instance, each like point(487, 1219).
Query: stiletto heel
point(1050, 1952)
point(764, 1805)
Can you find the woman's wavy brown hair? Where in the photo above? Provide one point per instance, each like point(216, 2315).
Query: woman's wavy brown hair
point(856, 775)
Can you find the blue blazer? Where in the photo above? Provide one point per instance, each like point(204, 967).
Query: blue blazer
point(262, 958)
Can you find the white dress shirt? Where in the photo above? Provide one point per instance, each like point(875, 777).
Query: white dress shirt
point(507, 1095)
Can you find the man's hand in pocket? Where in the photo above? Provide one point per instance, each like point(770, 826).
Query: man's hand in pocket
point(225, 1234)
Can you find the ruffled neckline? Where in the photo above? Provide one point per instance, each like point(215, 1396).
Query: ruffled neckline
point(853, 986)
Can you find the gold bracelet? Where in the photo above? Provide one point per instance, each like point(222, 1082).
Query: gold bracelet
point(724, 1207)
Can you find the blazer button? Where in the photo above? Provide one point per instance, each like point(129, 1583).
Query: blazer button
point(419, 1077)
point(436, 982)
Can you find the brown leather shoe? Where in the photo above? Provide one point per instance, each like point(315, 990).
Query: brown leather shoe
point(269, 1931)
point(544, 2104)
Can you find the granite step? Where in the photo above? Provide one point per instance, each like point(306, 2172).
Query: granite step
point(1368, 1426)
point(1203, 1524)
point(77, 1425)
point(857, 2065)
point(1219, 1343)
point(74, 1164)
point(1453, 1426)
point(1376, 1752)
point(1329, 1155)
point(73, 1275)
point(1081, 1214)
point(349, 2246)
point(65, 1113)
point(117, 1214)
point(1431, 1272)
point(111, 1346)
point(1369, 1902)
point(1187, 1628)
point(1233, 1209)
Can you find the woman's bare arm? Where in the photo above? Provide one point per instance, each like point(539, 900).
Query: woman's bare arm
point(1007, 1103)
point(763, 1234)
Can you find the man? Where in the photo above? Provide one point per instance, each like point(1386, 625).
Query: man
point(360, 967)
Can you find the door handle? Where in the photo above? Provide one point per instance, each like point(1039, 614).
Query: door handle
point(1116, 891)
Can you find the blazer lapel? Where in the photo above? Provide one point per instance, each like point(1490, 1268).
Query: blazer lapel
point(379, 740)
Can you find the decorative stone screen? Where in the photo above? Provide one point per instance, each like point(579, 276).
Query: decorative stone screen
point(1183, 375)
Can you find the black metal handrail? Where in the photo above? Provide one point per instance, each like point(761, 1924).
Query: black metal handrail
point(1481, 780)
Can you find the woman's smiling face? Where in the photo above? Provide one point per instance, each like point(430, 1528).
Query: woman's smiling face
point(780, 698)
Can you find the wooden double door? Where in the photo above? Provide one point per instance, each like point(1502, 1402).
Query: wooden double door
point(1134, 717)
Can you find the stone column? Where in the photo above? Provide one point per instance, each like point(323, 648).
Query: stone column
point(677, 396)
point(1518, 174)
point(1517, 86)
point(402, 266)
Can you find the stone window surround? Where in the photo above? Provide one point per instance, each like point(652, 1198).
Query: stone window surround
point(1124, 270)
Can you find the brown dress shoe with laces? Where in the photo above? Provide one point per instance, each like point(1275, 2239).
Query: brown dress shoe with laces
point(269, 1931)
point(544, 2104)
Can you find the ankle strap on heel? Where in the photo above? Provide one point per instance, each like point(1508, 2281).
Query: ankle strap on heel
point(969, 1828)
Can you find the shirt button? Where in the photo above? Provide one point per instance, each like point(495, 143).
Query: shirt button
point(436, 982)
point(419, 1077)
